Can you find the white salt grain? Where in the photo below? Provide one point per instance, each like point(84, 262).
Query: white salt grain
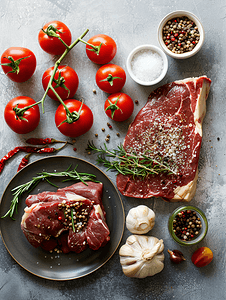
point(147, 65)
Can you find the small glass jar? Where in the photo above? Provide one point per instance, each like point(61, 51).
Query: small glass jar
point(202, 232)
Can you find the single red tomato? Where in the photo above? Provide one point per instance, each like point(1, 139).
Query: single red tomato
point(26, 121)
point(18, 63)
point(48, 37)
point(110, 78)
point(83, 118)
point(105, 49)
point(202, 257)
point(119, 107)
point(65, 82)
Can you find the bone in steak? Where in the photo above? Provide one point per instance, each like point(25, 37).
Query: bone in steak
point(168, 127)
point(45, 222)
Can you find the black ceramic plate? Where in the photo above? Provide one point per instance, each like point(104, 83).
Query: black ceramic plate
point(52, 265)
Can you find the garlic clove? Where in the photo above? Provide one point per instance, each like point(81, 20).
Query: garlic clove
point(131, 270)
point(140, 219)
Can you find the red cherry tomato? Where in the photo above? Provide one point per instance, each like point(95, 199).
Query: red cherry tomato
point(202, 257)
point(18, 63)
point(119, 107)
point(52, 44)
point(106, 52)
point(65, 82)
point(28, 121)
point(79, 127)
point(110, 78)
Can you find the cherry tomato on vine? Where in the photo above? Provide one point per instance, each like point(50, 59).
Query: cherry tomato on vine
point(49, 41)
point(119, 107)
point(105, 49)
point(65, 82)
point(110, 78)
point(23, 122)
point(18, 63)
point(202, 257)
point(83, 116)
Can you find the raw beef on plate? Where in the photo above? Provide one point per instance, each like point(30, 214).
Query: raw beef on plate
point(169, 127)
point(46, 221)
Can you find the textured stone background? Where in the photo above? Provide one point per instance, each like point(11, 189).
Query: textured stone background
point(130, 23)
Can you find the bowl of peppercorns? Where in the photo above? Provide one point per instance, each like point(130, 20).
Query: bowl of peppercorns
point(188, 225)
point(181, 34)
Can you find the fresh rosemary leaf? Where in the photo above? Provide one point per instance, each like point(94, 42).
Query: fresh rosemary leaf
point(51, 183)
point(129, 163)
point(72, 221)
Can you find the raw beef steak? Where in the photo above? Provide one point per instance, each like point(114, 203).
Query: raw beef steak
point(168, 128)
point(44, 220)
point(47, 219)
point(92, 190)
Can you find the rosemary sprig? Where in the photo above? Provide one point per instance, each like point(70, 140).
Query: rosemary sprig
point(30, 185)
point(72, 221)
point(129, 163)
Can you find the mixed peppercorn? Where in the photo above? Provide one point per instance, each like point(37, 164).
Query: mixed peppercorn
point(187, 225)
point(180, 35)
point(75, 215)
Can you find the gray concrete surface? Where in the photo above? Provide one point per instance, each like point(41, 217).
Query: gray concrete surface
point(130, 23)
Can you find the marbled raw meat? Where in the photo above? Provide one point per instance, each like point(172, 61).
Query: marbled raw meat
point(43, 222)
point(168, 126)
point(91, 190)
point(97, 231)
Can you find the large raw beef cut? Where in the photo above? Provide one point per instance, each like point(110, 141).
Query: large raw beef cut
point(47, 221)
point(169, 129)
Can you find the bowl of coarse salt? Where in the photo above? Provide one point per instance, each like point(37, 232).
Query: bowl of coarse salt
point(147, 64)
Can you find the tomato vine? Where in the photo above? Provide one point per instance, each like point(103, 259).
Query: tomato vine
point(71, 116)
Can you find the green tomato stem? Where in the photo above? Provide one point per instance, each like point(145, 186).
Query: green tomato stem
point(113, 107)
point(20, 111)
point(61, 101)
point(94, 48)
point(110, 79)
point(14, 64)
point(51, 31)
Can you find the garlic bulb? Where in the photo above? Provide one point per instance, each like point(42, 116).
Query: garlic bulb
point(142, 256)
point(140, 219)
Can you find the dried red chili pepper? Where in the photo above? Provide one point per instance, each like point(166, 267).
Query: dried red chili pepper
point(11, 153)
point(7, 157)
point(48, 150)
point(24, 162)
point(30, 149)
point(39, 141)
point(27, 149)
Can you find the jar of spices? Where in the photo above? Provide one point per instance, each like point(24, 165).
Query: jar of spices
point(188, 225)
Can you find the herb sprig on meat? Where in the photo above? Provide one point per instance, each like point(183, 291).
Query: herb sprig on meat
point(30, 185)
point(129, 163)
